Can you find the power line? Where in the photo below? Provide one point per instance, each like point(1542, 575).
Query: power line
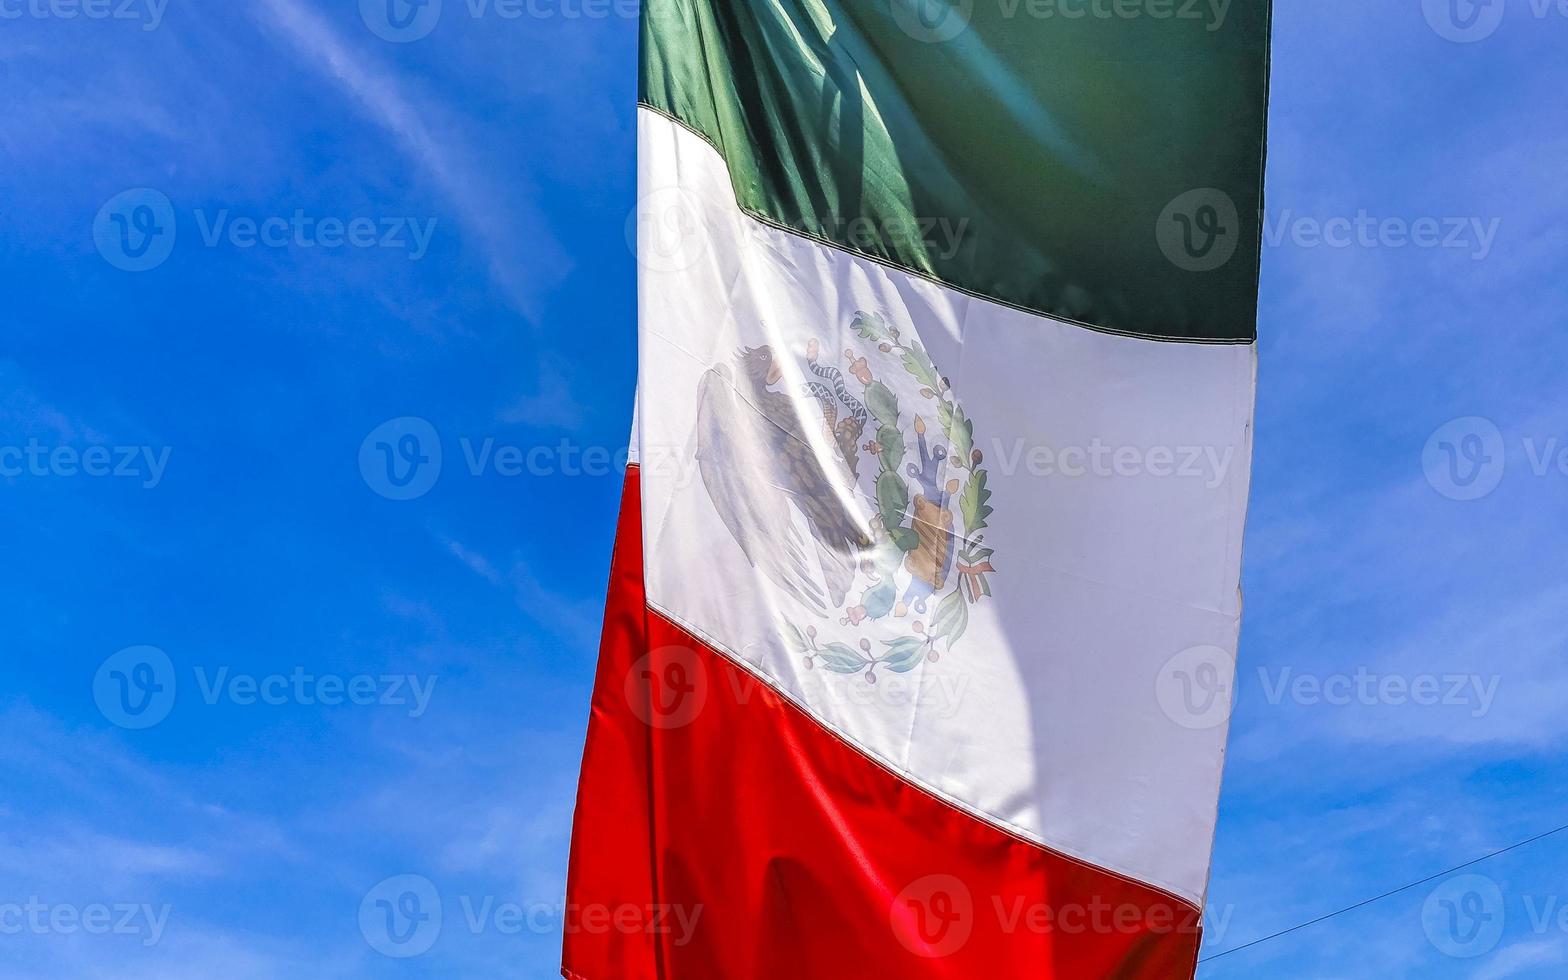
point(1388, 894)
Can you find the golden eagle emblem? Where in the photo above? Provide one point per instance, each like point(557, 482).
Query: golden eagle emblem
point(846, 502)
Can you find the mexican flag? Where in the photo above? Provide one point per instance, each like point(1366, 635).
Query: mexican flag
point(922, 622)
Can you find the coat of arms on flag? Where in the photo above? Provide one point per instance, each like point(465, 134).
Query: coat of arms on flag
point(886, 540)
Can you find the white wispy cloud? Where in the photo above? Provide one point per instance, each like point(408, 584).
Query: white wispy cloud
point(551, 404)
point(523, 256)
point(570, 618)
point(1518, 959)
point(478, 563)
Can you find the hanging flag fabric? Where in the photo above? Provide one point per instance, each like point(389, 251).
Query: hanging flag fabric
point(923, 613)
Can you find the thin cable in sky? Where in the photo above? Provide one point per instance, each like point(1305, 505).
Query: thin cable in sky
point(1388, 894)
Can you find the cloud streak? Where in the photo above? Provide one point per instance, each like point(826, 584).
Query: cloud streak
point(501, 225)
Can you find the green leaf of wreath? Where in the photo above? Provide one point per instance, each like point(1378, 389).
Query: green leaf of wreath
point(797, 640)
point(974, 503)
point(918, 363)
point(868, 325)
point(904, 654)
point(951, 619)
point(841, 658)
point(960, 430)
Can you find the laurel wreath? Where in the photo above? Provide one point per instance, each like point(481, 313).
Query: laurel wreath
point(898, 537)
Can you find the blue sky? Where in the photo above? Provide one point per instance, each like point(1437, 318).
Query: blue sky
point(240, 390)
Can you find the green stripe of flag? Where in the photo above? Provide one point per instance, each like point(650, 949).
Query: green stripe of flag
point(1095, 160)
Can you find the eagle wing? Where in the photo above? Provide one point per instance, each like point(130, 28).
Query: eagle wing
point(735, 446)
point(840, 538)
